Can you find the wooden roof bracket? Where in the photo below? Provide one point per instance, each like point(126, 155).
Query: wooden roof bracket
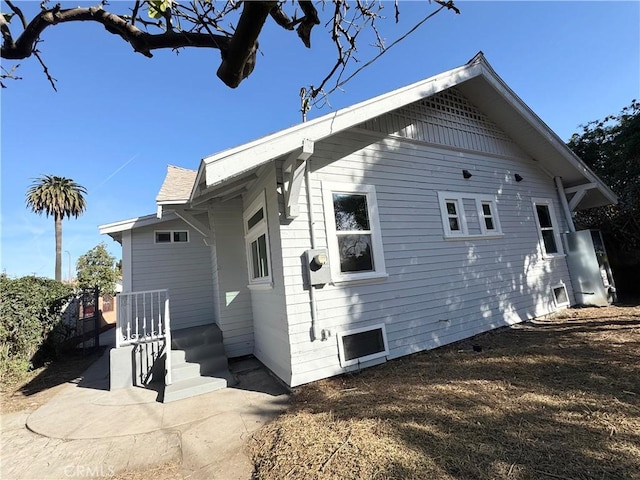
point(293, 175)
point(193, 222)
point(579, 192)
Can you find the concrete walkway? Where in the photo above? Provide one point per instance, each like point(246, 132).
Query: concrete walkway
point(86, 431)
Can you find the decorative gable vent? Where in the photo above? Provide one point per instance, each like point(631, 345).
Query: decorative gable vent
point(447, 118)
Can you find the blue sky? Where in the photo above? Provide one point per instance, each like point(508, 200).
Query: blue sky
point(119, 118)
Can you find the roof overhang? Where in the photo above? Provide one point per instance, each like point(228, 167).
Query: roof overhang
point(115, 229)
point(227, 173)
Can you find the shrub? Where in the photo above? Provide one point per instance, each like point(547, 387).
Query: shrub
point(30, 311)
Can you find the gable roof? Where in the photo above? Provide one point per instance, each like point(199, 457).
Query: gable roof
point(177, 185)
point(476, 80)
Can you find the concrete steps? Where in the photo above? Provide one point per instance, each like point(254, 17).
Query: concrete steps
point(198, 363)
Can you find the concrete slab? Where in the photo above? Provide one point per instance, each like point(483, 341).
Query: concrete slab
point(87, 431)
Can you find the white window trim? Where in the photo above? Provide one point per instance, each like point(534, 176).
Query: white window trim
point(250, 235)
point(553, 294)
point(463, 233)
point(170, 232)
point(555, 225)
point(328, 189)
point(355, 361)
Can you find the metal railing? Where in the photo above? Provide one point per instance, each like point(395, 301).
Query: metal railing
point(143, 317)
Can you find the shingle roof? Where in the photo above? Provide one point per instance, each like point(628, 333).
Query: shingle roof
point(177, 185)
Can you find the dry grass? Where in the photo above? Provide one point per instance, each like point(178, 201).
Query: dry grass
point(556, 399)
point(165, 471)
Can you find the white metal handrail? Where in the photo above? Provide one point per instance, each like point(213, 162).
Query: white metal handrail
point(144, 317)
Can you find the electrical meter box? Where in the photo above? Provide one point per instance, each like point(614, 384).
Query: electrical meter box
point(318, 266)
point(589, 268)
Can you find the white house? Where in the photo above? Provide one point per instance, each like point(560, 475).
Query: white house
point(411, 220)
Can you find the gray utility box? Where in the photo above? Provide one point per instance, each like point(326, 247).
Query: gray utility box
point(589, 268)
point(318, 265)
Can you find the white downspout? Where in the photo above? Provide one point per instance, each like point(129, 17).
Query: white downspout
point(315, 328)
point(564, 203)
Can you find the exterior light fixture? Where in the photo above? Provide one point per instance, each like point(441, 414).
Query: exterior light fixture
point(466, 174)
point(518, 177)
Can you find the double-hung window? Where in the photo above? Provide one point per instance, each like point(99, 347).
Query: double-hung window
point(461, 220)
point(456, 223)
point(257, 243)
point(548, 231)
point(353, 231)
point(487, 216)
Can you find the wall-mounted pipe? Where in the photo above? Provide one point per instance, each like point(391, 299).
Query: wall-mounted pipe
point(315, 328)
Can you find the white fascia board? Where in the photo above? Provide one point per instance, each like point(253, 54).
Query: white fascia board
point(544, 130)
point(232, 162)
point(132, 223)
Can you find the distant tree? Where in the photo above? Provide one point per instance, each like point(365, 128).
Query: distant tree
point(611, 148)
point(232, 27)
point(97, 267)
point(59, 197)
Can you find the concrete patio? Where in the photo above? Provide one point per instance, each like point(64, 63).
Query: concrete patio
point(87, 431)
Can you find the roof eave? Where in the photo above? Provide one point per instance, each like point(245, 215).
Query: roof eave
point(230, 163)
point(132, 223)
point(545, 132)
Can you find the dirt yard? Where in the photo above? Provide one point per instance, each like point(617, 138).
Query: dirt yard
point(557, 398)
point(33, 390)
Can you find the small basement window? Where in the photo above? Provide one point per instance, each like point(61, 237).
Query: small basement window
point(560, 295)
point(360, 345)
point(178, 236)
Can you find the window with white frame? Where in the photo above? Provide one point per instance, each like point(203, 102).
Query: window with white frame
point(455, 220)
point(170, 236)
point(560, 295)
point(257, 242)
point(353, 231)
point(362, 344)
point(548, 230)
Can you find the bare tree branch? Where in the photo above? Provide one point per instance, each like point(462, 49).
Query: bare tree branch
point(141, 41)
point(18, 12)
point(238, 60)
point(52, 80)
point(8, 75)
point(233, 27)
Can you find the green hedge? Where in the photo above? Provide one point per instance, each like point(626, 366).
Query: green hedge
point(30, 309)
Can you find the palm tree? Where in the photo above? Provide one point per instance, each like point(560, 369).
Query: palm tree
point(59, 197)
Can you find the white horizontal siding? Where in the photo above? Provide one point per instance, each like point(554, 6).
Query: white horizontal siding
point(183, 268)
point(268, 306)
point(438, 290)
point(234, 298)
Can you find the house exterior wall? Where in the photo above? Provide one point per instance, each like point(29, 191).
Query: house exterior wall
point(183, 268)
point(230, 267)
point(268, 304)
point(438, 290)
